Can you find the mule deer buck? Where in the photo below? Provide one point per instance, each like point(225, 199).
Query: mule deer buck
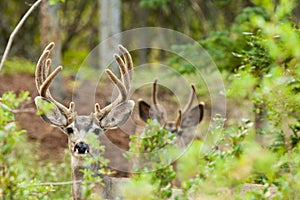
point(78, 127)
point(187, 119)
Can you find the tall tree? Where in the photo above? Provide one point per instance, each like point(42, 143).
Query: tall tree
point(110, 24)
point(50, 32)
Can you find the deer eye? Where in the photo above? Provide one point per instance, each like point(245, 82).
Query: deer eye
point(69, 130)
point(179, 133)
point(174, 131)
point(97, 131)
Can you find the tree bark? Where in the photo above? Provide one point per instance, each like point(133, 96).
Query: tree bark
point(110, 24)
point(50, 32)
point(142, 14)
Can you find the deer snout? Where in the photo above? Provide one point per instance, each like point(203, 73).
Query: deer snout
point(81, 148)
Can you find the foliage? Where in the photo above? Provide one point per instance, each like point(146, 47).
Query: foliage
point(271, 58)
point(51, 2)
point(256, 58)
point(236, 162)
point(45, 107)
point(220, 44)
point(21, 65)
point(73, 58)
point(258, 55)
point(261, 49)
point(158, 3)
point(151, 156)
point(96, 162)
point(267, 74)
point(22, 173)
point(17, 64)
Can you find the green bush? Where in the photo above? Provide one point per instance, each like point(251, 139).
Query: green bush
point(23, 174)
point(259, 58)
point(17, 64)
point(91, 178)
point(152, 157)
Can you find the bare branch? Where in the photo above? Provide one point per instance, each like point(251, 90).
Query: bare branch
point(18, 27)
point(53, 183)
point(56, 183)
point(24, 110)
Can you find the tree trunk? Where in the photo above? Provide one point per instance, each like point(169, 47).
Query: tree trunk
point(143, 16)
point(50, 32)
point(110, 24)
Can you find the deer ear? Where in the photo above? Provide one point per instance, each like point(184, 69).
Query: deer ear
point(117, 116)
point(193, 117)
point(53, 116)
point(144, 110)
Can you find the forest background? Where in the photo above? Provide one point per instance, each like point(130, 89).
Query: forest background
point(256, 47)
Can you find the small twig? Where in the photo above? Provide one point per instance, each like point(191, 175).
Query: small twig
point(52, 183)
point(57, 183)
point(25, 103)
point(24, 110)
point(13, 34)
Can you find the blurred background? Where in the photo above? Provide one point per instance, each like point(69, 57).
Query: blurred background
point(255, 45)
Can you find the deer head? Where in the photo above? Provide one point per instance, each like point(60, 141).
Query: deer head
point(78, 127)
point(187, 118)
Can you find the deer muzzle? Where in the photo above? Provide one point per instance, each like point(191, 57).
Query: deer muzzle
point(81, 148)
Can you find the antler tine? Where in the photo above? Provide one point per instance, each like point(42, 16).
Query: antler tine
point(40, 71)
point(124, 74)
point(39, 78)
point(126, 66)
point(44, 90)
point(128, 61)
point(44, 78)
point(178, 119)
point(40, 67)
point(45, 86)
point(50, 46)
point(123, 86)
point(155, 102)
point(46, 70)
point(122, 90)
point(190, 101)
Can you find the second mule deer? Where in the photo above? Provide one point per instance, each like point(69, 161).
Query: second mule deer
point(79, 127)
point(187, 119)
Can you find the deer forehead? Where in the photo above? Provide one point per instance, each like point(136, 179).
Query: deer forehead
point(170, 125)
point(84, 123)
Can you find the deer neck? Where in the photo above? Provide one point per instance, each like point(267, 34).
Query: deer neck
point(77, 165)
point(77, 178)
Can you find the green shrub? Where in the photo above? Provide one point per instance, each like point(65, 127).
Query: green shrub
point(17, 64)
point(152, 157)
point(23, 175)
point(91, 178)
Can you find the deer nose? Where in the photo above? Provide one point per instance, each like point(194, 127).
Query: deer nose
point(81, 148)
